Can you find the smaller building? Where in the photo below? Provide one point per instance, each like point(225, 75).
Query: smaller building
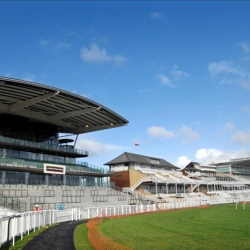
point(129, 168)
point(203, 170)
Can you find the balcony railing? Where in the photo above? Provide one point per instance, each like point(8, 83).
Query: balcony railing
point(40, 165)
point(42, 146)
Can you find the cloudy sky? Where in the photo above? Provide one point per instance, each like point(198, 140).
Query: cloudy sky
point(178, 71)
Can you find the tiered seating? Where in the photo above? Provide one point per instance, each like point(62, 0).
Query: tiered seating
point(47, 197)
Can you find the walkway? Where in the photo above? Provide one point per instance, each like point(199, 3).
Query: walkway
point(60, 237)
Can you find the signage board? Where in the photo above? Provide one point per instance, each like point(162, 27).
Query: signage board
point(54, 169)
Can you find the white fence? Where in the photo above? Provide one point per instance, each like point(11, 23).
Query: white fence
point(93, 212)
point(23, 223)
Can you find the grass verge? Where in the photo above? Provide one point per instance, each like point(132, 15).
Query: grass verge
point(81, 240)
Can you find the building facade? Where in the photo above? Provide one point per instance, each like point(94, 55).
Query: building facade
point(39, 127)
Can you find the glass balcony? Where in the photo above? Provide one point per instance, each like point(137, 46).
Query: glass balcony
point(42, 146)
point(14, 162)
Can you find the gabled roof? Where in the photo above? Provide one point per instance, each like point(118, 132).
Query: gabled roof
point(135, 158)
point(69, 112)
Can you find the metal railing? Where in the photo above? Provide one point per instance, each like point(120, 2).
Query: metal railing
point(108, 211)
point(16, 162)
point(40, 145)
point(23, 223)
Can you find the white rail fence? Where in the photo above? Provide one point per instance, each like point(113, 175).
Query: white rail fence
point(24, 223)
point(93, 212)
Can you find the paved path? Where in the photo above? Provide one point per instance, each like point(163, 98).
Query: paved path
point(60, 237)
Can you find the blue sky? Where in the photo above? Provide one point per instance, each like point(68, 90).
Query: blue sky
point(178, 71)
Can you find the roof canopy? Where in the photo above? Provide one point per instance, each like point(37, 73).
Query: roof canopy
point(135, 158)
point(69, 112)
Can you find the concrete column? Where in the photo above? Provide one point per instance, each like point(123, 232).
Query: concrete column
point(80, 181)
point(207, 187)
point(167, 187)
point(184, 188)
point(176, 188)
point(64, 180)
point(156, 186)
point(26, 176)
point(46, 177)
point(3, 177)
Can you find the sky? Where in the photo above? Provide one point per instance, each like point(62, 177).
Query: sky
point(177, 71)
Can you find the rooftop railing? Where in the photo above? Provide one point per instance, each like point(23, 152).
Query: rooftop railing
point(42, 146)
point(40, 165)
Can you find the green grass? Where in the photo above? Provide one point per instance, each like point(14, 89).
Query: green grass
point(216, 227)
point(81, 238)
point(19, 244)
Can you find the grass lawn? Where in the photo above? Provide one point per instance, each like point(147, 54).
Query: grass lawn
point(19, 244)
point(81, 238)
point(216, 227)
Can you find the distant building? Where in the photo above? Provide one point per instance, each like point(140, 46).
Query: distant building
point(235, 166)
point(129, 168)
point(195, 167)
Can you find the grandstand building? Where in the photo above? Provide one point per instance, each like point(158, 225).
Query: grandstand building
point(156, 180)
point(33, 147)
point(237, 167)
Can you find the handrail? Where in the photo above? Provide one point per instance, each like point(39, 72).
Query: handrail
point(41, 145)
point(40, 165)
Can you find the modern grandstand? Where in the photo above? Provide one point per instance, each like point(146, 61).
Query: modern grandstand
point(39, 129)
point(36, 152)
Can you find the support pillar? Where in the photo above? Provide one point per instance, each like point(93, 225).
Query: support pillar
point(176, 188)
point(80, 181)
point(64, 180)
point(3, 177)
point(46, 179)
point(26, 180)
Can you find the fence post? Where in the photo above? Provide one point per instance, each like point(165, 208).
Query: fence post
point(1, 230)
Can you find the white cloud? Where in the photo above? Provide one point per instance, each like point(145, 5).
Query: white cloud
point(188, 134)
point(156, 15)
point(229, 126)
point(63, 45)
point(165, 80)
point(175, 75)
point(29, 77)
point(244, 46)
point(212, 155)
point(182, 161)
point(241, 137)
point(158, 131)
point(96, 148)
point(96, 54)
point(227, 73)
point(178, 74)
point(227, 67)
point(205, 155)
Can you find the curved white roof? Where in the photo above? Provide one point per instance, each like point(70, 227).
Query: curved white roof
point(69, 112)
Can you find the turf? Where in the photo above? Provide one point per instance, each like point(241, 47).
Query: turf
point(215, 227)
point(81, 240)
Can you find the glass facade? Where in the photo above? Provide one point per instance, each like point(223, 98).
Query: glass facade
point(27, 178)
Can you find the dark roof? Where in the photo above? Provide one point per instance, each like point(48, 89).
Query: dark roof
point(135, 158)
point(69, 112)
point(245, 162)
